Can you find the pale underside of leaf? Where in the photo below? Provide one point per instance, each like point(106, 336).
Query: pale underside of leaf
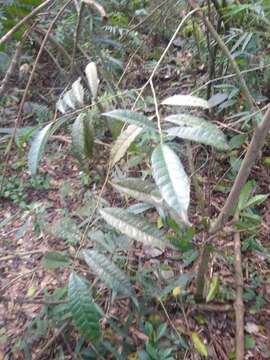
point(186, 100)
point(123, 142)
point(108, 272)
point(131, 117)
point(92, 78)
point(134, 226)
point(204, 135)
point(171, 179)
point(37, 148)
point(78, 91)
point(183, 119)
point(139, 189)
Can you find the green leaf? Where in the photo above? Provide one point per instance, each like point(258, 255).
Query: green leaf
point(256, 200)
point(186, 100)
point(82, 138)
point(250, 343)
point(134, 226)
point(37, 148)
point(123, 142)
point(171, 179)
point(197, 129)
point(131, 117)
point(213, 289)
point(38, 144)
point(199, 345)
point(84, 311)
point(108, 272)
point(245, 194)
point(54, 260)
point(139, 190)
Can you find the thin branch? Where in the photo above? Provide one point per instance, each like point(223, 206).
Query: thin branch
point(252, 154)
point(21, 300)
point(239, 303)
point(12, 69)
point(76, 36)
point(24, 20)
point(98, 7)
point(52, 340)
point(157, 112)
point(164, 54)
point(227, 53)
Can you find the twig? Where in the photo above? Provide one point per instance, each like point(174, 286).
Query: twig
point(252, 154)
point(76, 36)
point(239, 303)
point(13, 281)
point(226, 52)
point(212, 307)
point(164, 54)
point(135, 27)
point(21, 300)
point(55, 43)
point(24, 20)
point(157, 112)
point(12, 69)
point(52, 340)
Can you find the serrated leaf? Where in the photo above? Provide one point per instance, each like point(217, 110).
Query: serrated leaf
point(84, 311)
point(37, 148)
point(186, 100)
point(78, 91)
point(131, 117)
point(213, 289)
point(82, 138)
point(92, 78)
point(108, 272)
point(135, 226)
point(139, 190)
point(54, 260)
point(123, 142)
point(171, 179)
point(204, 135)
point(199, 345)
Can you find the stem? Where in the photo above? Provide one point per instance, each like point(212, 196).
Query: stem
point(227, 53)
point(164, 53)
point(239, 304)
point(157, 112)
point(201, 273)
point(24, 20)
point(252, 154)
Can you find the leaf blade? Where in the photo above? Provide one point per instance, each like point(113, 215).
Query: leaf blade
point(171, 179)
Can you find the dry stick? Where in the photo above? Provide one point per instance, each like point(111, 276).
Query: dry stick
point(238, 304)
point(163, 54)
point(76, 36)
point(12, 69)
point(252, 154)
point(226, 52)
point(35, 65)
point(21, 300)
point(52, 340)
point(229, 76)
point(20, 110)
point(24, 20)
point(55, 43)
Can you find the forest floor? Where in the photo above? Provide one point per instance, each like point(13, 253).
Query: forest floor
point(25, 237)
